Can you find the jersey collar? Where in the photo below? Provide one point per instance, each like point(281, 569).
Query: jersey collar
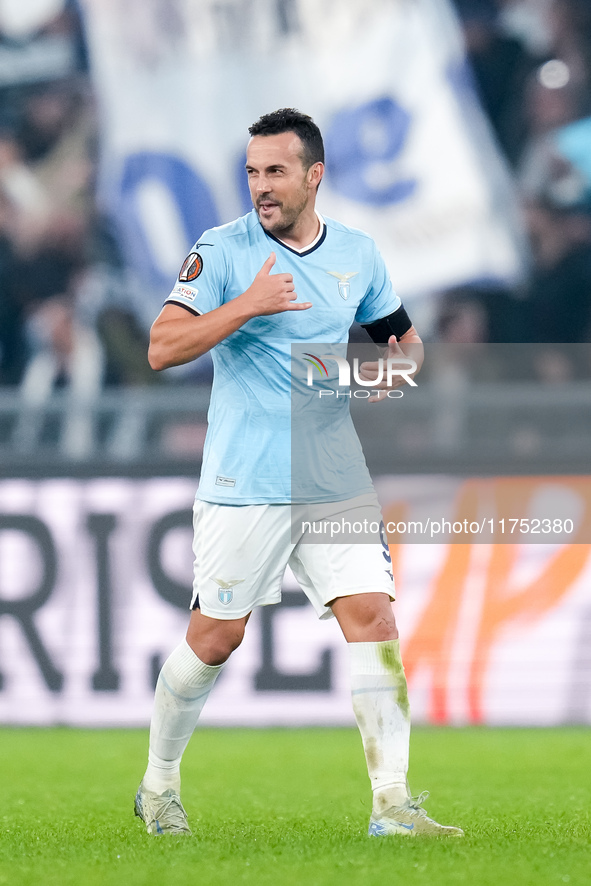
point(316, 242)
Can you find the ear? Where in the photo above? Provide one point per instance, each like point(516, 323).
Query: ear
point(315, 173)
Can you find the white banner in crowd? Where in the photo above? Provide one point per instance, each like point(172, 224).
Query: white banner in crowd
point(410, 158)
point(95, 580)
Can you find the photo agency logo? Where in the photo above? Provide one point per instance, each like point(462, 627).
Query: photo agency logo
point(392, 371)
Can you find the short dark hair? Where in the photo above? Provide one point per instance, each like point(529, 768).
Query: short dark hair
point(291, 120)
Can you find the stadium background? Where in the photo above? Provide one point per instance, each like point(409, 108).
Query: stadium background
point(122, 131)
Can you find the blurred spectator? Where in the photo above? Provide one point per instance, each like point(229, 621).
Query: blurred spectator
point(479, 314)
point(46, 188)
point(51, 180)
point(61, 277)
point(40, 42)
point(532, 65)
point(65, 353)
point(555, 181)
point(543, 173)
point(529, 22)
point(501, 64)
point(45, 167)
point(125, 346)
point(570, 26)
point(462, 317)
point(558, 297)
point(553, 306)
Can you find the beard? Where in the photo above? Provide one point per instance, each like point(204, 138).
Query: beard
point(284, 215)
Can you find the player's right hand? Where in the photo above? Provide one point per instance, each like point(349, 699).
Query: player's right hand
point(273, 293)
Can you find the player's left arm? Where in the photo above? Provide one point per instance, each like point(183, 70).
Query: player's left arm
point(404, 353)
point(392, 330)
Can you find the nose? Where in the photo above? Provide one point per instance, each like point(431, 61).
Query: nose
point(262, 185)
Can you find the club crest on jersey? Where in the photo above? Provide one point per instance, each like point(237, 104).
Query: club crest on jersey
point(344, 285)
point(225, 593)
point(192, 267)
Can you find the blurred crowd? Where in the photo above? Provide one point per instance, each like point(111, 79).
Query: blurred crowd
point(531, 64)
point(63, 315)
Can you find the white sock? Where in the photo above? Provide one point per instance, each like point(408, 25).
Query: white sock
point(380, 703)
point(182, 689)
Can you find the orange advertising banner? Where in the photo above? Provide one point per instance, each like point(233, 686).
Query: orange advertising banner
point(495, 630)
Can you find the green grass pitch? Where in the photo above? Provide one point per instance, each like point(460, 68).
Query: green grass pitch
point(287, 807)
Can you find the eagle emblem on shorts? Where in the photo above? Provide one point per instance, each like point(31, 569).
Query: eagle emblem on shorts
point(225, 593)
point(344, 286)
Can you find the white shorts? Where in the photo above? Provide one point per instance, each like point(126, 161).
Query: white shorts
point(242, 552)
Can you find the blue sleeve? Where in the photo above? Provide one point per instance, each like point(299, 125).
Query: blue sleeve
point(203, 276)
point(380, 300)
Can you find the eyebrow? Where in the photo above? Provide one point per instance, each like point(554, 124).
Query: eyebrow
point(270, 166)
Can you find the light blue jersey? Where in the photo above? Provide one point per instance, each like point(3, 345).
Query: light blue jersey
point(247, 455)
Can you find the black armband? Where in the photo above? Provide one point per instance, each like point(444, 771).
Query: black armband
point(396, 323)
